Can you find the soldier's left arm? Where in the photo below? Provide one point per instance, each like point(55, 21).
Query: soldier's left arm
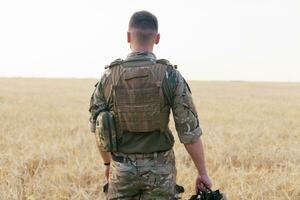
point(97, 105)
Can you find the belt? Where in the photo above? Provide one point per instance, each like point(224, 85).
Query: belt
point(122, 158)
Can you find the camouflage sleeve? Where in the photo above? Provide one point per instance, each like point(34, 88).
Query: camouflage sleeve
point(97, 102)
point(183, 108)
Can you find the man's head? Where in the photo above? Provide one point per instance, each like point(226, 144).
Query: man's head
point(143, 31)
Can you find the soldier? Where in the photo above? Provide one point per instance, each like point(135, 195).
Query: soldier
point(130, 108)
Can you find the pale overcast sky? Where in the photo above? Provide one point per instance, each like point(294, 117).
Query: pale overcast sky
point(208, 40)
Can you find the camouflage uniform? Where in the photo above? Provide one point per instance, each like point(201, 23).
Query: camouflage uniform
point(144, 166)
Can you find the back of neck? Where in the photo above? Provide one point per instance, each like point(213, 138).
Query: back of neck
point(142, 49)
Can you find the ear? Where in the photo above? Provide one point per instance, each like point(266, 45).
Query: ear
point(128, 37)
point(157, 38)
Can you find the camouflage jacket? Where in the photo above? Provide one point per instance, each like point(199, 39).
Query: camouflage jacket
point(177, 97)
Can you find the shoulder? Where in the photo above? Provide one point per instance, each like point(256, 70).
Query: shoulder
point(111, 71)
point(166, 62)
point(172, 73)
point(108, 68)
point(171, 70)
point(173, 77)
point(114, 63)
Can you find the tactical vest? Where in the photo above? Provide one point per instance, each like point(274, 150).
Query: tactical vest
point(137, 93)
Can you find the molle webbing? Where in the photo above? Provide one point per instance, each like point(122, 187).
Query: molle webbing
point(138, 109)
point(137, 96)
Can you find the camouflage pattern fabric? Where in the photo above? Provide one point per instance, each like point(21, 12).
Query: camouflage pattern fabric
point(142, 177)
point(176, 96)
point(146, 174)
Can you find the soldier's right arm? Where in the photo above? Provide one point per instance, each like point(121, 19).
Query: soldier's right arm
point(183, 109)
point(187, 123)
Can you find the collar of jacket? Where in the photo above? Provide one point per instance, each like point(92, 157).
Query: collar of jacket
point(141, 56)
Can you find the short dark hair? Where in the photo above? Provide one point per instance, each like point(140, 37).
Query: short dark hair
point(143, 20)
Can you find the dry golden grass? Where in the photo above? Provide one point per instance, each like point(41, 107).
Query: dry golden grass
point(251, 137)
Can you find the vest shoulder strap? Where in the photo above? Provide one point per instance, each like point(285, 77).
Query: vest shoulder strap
point(114, 63)
point(166, 62)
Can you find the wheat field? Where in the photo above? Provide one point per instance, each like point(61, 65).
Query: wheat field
point(251, 134)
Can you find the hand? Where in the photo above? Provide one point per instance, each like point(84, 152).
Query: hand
point(106, 172)
point(201, 181)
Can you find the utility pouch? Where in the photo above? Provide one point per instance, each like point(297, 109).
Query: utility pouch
point(106, 128)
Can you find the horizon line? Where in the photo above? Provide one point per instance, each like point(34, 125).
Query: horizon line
point(91, 78)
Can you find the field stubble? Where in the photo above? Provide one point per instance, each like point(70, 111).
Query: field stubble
point(251, 133)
